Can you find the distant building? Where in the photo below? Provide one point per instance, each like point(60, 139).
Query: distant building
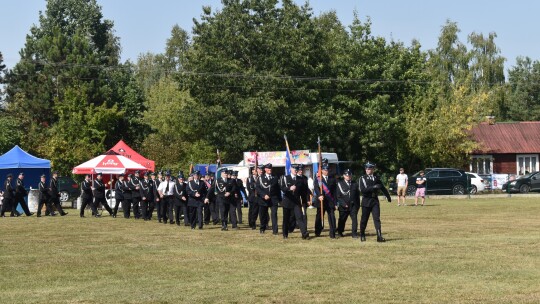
point(507, 148)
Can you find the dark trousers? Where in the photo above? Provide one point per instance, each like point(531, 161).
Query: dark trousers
point(135, 202)
point(214, 211)
point(196, 216)
point(24, 205)
point(354, 219)
point(117, 205)
point(167, 209)
point(126, 207)
point(103, 202)
point(273, 215)
point(47, 204)
point(155, 204)
point(343, 216)
point(144, 209)
point(376, 211)
point(299, 220)
point(88, 201)
point(226, 208)
point(253, 214)
point(331, 221)
point(6, 206)
point(55, 202)
point(239, 205)
point(263, 217)
point(181, 209)
point(206, 212)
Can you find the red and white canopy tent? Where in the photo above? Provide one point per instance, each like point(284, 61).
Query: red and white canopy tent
point(109, 163)
point(123, 149)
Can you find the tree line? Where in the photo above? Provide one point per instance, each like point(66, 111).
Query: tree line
point(247, 74)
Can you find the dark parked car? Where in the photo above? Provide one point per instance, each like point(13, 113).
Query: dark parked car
point(68, 188)
point(524, 184)
point(442, 181)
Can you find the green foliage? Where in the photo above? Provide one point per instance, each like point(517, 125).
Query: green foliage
point(524, 90)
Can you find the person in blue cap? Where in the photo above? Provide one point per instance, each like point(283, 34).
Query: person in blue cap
point(370, 185)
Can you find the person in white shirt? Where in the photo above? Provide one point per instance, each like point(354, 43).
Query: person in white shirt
point(166, 191)
point(402, 184)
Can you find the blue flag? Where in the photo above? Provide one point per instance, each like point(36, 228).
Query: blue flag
point(287, 157)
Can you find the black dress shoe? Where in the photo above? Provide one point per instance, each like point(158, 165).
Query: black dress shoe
point(39, 215)
point(65, 213)
point(285, 237)
point(381, 239)
point(340, 234)
point(30, 214)
point(177, 224)
point(97, 215)
point(172, 222)
point(355, 236)
point(261, 232)
point(83, 216)
point(159, 220)
point(362, 237)
point(274, 233)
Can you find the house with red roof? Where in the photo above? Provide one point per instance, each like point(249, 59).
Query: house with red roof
point(506, 147)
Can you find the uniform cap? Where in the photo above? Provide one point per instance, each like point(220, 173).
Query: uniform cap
point(324, 167)
point(347, 172)
point(121, 175)
point(268, 166)
point(369, 165)
point(9, 175)
point(42, 175)
point(99, 174)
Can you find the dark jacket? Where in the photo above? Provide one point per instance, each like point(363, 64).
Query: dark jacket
point(179, 192)
point(155, 185)
point(86, 188)
point(252, 187)
point(53, 188)
point(126, 189)
point(133, 185)
point(268, 186)
point(370, 190)
point(194, 187)
point(240, 189)
point(146, 190)
point(292, 198)
point(329, 195)
point(347, 195)
point(99, 191)
point(8, 189)
point(222, 187)
point(20, 191)
point(43, 192)
point(118, 191)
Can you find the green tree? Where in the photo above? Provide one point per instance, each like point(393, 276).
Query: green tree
point(174, 140)
point(524, 90)
point(462, 85)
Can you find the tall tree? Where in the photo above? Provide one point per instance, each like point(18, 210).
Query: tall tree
point(66, 59)
point(524, 90)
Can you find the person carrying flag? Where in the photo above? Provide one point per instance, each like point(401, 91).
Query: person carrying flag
point(326, 201)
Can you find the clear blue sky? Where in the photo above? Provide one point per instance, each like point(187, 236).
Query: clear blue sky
point(144, 26)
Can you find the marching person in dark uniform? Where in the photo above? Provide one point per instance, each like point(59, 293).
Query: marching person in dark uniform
point(8, 197)
point(303, 185)
point(212, 200)
point(182, 204)
point(118, 193)
point(99, 193)
point(126, 191)
point(253, 211)
point(206, 208)
point(269, 195)
point(348, 200)
point(180, 200)
point(166, 192)
point(146, 196)
point(135, 186)
point(292, 202)
point(54, 195)
point(328, 201)
point(44, 198)
point(224, 191)
point(87, 197)
point(20, 194)
point(157, 202)
point(239, 195)
point(370, 185)
point(197, 191)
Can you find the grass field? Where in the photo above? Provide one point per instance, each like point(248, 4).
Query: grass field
point(450, 251)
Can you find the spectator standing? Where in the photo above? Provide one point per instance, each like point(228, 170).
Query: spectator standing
point(402, 183)
point(420, 188)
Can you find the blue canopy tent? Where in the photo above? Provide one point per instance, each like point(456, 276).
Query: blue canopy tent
point(17, 160)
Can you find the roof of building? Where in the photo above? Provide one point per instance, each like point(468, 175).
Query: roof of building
point(501, 138)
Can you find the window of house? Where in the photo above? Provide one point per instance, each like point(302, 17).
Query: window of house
point(526, 163)
point(482, 164)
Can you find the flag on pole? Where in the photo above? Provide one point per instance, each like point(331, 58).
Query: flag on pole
point(287, 157)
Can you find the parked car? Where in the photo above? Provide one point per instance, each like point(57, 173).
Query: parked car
point(477, 183)
point(442, 181)
point(524, 184)
point(68, 188)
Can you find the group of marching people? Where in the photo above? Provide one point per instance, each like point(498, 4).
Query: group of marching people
point(49, 196)
point(204, 199)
